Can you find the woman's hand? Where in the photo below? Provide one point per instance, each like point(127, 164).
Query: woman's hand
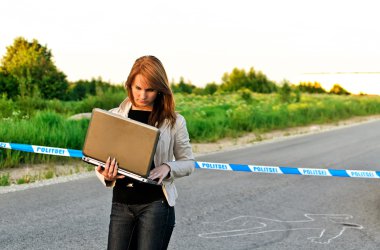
point(159, 173)
point(110, 170)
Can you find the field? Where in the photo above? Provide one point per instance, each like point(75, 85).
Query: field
point(209, 118)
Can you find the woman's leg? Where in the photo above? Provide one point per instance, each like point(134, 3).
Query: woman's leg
point(155, 225)
point(122, 223)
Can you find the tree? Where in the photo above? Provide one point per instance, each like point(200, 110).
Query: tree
point(211, 88)
point(183, 87)
point(263, 84)
point(8, 86)
point(285, 91)
point(310, 87)
point(32, 66)
point(80, 89)
point(339, 90)
point(289, 93)
point(237, 79)
point(252, 80)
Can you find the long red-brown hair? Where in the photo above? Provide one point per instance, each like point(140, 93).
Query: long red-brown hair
point(154, 72)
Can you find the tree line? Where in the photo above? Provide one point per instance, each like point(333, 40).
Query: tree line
point(240, 79)
point(27, 70)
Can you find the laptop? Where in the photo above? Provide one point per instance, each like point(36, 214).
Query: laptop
point(130, 142)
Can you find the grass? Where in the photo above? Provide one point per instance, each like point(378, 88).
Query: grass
point(49, 174)
point(45, 128)
point(209, 118)
point(4, 180)
point(214, 117)
point(25, 179)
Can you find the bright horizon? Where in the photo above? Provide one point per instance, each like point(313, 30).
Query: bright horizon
point(201, 40)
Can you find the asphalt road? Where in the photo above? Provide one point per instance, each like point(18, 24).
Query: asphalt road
point(226, 210)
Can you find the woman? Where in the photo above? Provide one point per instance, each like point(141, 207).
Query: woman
point(142, 215)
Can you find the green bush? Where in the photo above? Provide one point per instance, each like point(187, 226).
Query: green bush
point(4, 180)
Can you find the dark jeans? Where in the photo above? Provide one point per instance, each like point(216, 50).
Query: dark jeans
point(142, 226)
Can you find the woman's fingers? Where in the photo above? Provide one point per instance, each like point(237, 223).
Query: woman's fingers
point(99, 169)
point(110, 170)
point(106, 167)
point(159, 173)
point(114, 173)
point(120, 176)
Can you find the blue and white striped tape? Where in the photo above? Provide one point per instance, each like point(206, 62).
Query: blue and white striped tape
point(43, 150)
point(289, 170)
point(211, 165)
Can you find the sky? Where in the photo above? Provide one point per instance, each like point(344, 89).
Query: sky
point(330, 41)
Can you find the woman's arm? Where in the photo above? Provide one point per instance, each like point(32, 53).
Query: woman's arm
point(184, 159)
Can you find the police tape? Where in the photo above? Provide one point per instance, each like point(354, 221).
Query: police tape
point(289, 170)
point(42, 149)
point(211, 165)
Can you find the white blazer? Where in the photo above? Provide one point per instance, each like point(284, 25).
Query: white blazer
point(173, 149)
